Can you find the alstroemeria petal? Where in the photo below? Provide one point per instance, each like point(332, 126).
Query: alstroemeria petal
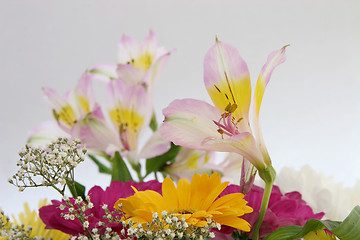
point(97, 135)
point(245, 144)
point(275, 58)
point(155, 146)
point(104, 72)
point(190, 161)
point(188, 122)
point(129, 74)
point(64, 112)
point(129, 110)
point(128, 50)
point(85, 94)
point(46, 132)
point(227, 80)
point(154, 70)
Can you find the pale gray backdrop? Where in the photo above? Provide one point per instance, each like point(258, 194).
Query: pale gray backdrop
point(311, 109)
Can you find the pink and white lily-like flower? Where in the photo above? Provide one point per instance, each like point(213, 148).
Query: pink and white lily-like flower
point(138, 62)
point(189, 162)
point(224, 127)
point(74, 105)
point(77, 115)
point(130, 111)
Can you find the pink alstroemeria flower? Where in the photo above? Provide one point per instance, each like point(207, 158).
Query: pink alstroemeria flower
point(138, 62)
point(130, 109)
point(224, 127)
point(189, 162)
point(74, 105)
point(77, 115)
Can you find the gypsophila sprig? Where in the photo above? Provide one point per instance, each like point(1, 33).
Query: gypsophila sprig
point(169, 227)
point(49, 166)
point(12, 231)
point(77, 210)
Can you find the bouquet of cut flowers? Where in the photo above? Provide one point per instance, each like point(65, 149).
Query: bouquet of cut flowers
point(172, 186)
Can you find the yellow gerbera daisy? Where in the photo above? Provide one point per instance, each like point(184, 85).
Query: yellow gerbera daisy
point(31, 218)
point(196, 202)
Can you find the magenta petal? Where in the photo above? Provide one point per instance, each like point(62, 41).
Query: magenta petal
point(284, 208)
point(50, 215)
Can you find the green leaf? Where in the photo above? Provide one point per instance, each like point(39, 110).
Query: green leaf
point(102, 167)
point(119, 171)
point(153, 123)
point(76, 189)
point(349, 229)
point(156, 163)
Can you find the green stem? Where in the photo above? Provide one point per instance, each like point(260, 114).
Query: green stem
point(137, 169)
point(264, 205)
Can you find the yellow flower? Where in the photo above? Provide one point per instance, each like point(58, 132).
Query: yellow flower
point(319, 235)
point(31, 218)
point(196, 202)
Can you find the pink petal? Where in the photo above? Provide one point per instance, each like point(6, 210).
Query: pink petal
point(129, 74)
point(275, 58)
point(244, 144)
point(128, 48)
point(97, 135)
point(155, 146)
point(154, 70)
point(55, 100)
point(130, 109)
point(103, 72)
point(85, 94)
point(227, 79)
point(46, 132)
point(188, 122)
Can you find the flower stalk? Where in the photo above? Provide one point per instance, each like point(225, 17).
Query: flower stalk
point(268, 175)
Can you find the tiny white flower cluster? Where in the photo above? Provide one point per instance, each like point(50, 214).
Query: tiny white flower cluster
point(109, 234)
point(77, 209)
point(12, 231)
point(49, 166)
point(168, 227)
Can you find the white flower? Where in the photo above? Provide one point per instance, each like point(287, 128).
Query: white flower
point(320, 191)
point(86, 224)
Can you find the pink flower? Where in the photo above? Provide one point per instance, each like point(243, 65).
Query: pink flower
point(51, 214)
point(226, 126)
point(283, 210)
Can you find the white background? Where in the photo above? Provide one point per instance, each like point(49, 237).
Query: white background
point(311, 109)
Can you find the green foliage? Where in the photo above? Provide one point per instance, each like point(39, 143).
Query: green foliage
point(102, 167)
point(119, 171)
point(76, 189)
point(349, 229)
point(236, 235)
point(153, 123)
point(156, 163)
